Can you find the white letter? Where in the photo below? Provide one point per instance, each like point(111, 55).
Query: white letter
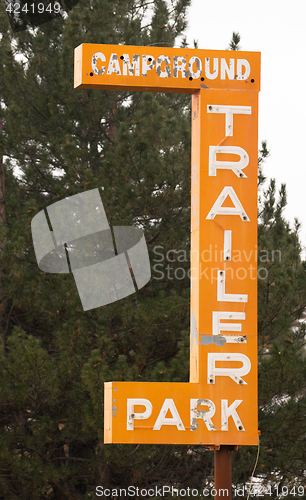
point(95, 57)
point(198, 63)
point(179, 64)
point(237, 209)
point(235, 166)
point(167, 71)
point(227, 297)
point(214, 74)
point(233, 373)
point(229, 111)
point(246, 64)
point(229, 70)
point(146, 66)
point(206, 415)
point(113, 66)
point(226, 327)
point(131, 416)
point(227, 246)
point(131, 69)
point(227, 412)
point(174, 420)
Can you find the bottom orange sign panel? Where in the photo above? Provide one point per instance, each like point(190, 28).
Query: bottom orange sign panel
point(175, 413)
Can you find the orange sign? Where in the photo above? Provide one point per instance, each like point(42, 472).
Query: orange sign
point(219, 405)
point(164, 69)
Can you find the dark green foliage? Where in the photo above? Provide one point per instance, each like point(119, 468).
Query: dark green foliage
point(136, 147)
point(282, 355)
point(234, 43)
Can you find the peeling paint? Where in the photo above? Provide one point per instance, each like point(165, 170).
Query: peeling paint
point(113, 66)
point(166, 73)
point(194, 424)
point(205, 415)
point(131, 69)
point(114, 410)
point(197, 61)
point(95, 58)
point(179, 64)
point(167, 66)
point(145, 66)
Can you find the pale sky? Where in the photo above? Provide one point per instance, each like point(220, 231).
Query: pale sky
point(276, 28)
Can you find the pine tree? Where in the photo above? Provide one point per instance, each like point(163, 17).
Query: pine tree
point(136, 148)
point(234, 43)
point(282, 356)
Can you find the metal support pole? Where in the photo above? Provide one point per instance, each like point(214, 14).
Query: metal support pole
point(223, 473)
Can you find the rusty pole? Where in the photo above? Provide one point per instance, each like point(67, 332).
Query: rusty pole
point(223, 473)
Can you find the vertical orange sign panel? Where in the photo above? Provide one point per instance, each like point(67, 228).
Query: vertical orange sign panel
point(223, 349)
point(219, 405)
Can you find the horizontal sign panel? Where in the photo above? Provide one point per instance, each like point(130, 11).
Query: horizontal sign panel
point(164, 69)
point(176, 413)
